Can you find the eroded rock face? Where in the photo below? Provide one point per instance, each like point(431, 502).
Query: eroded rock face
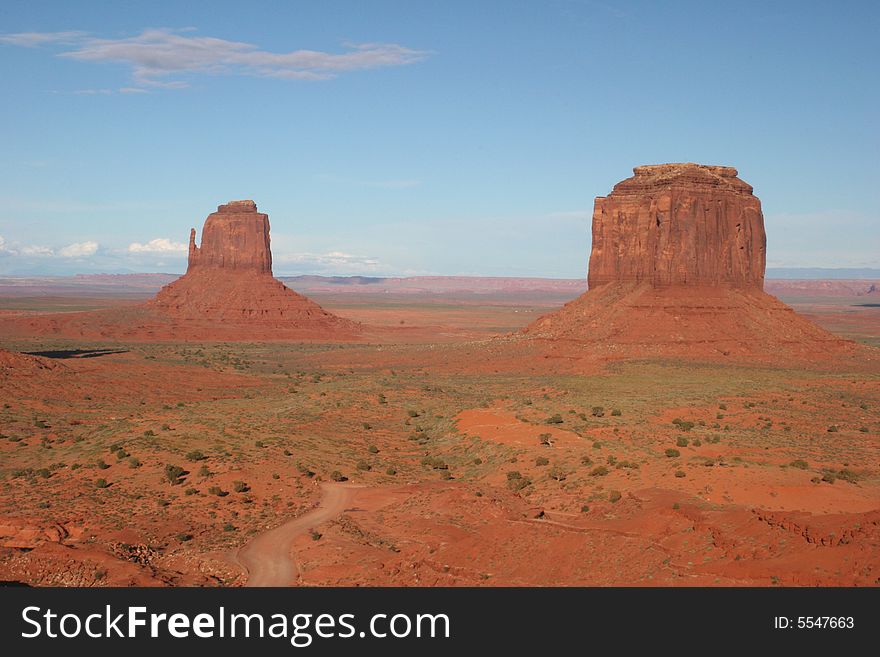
point(677, 270)
point(679, 224)
point(236, 237)
point(229, 290)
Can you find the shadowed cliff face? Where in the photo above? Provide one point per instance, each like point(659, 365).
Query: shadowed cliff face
point(236, 237)
point(679, 224)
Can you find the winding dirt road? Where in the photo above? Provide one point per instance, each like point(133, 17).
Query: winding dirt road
point(268, 558)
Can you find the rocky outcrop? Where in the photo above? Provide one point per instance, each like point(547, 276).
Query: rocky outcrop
point(229, 292)
point(679, 224)
point(677, 269)
point(236, 238)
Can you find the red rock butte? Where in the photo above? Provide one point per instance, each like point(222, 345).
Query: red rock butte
point(229, 279)
point(228, 293)
point(677, 268)
point(679, 224)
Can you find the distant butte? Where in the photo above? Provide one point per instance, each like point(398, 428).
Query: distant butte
point(228, 293)
point(229, 279)
point(677, 269)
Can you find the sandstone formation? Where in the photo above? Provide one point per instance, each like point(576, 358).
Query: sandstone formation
point(236, 238)
point(229, 286)
point(228, 293)
point(677, 268)
point(679, 224)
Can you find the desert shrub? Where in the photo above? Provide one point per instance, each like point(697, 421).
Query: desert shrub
point(542, 460)
point(586, 460)
point(445, 475)
point(216, 490)
point(681, 442)
point(101, 465)
point(149, 433)
point(863, 429)
point(195, 455)
point(557, 473)
point(240, 487)
point(478, 461)
point(183, 538)
point(599, 471)
point(391, 472)
point(305, 470)
point(832, 428)
point(514, 474)
point(544, 438)
point(43, 472)
point(372, 449)
point(382, 399)
point(121, 454)
point(697, 442)
point(229, 527)
point(829, 477)
point(435, 463)
point(683, 425)
point(134, 462)
point(672, 453)
point(363, 465)
point(616, 412)
point(585, 508)
point(367, 426)
point(680, 474)
point(336, 475)
point(597, 445)
point(259, 443)
point(316, 535)
point(556, 418)
point(597, 411)
point(518, 483)
point(614, 496)
point(190, 491)
point(412, 413)
point(799, 464)
point(847, 475)
point(101, 483)
point(204, 471)
point(723, 407)
point(173, 473)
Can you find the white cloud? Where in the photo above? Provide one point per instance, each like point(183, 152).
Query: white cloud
point(158, 245)
point(333, 262)
point(156, 56)
point(13, 249)
point(33, 39)
point(79, 250)
point(35, 250)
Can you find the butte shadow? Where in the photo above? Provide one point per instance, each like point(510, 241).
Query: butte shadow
point(677, 270)
point(228, 293)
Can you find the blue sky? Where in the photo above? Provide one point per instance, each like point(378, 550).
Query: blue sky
point(400, 138)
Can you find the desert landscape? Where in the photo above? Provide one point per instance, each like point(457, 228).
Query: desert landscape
point(674, 418)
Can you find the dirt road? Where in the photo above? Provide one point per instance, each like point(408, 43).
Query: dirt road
point(268, 558)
